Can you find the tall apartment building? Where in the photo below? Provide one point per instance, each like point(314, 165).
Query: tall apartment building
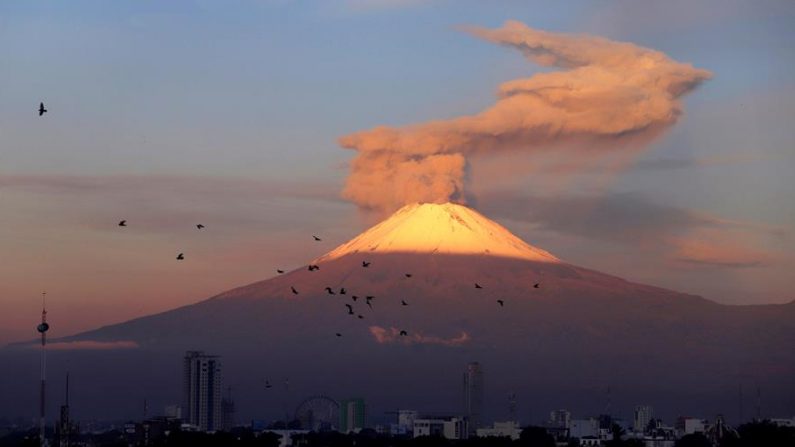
point(202, 391)
point(473, 395)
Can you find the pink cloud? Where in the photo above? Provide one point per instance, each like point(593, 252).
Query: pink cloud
point(392, 335)
point(716, 248)
point(84, 345)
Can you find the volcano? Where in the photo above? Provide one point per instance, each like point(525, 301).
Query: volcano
point(563, 336)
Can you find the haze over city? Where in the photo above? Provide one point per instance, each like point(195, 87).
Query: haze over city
point(591, 201)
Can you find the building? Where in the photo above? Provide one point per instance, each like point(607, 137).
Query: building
point(172, 411)
point(405, 422)
point(227, 414)
point(446, 427)
point(783, 422)
point(643, 415)
point(508, 429)
point(559, 418)
point(584, 428)
point(688, 426)
point(352, 415)
point(202, 391)
point(63, 431)
point(473, 395)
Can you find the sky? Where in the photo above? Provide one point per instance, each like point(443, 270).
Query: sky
point(235, 115)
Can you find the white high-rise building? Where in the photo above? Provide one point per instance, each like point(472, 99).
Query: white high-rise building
point(560, 418)
point(473, 395)
point(202, 391)
point(643, 414)
point(405, 422)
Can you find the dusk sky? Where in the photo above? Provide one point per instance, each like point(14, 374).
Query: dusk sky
point(235, 114)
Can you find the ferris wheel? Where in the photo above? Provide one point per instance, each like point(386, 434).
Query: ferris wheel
point(318, 413)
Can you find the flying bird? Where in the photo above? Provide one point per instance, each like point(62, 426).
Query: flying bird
point(316, 238)
point(408, 275)
point(350, 309)
point(123, 223)
point(365, 264)
point(536, 285)
point(295, 292)
point(199, 226)
point(368, 299)
point(180, 256)
point(403, 302)
point(501, 302)
point(342, 291)
point(313, 267)
point(478, 286)
point(354, 297)
point(42, 110)
point(361, 317)
point(403, 333)
point(279, 271)
point(268, 384)
point(330, 292)
point(339, 335)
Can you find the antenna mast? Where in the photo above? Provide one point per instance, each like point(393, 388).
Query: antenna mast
point(43, 327)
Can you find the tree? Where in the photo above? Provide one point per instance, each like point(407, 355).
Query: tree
point(693, 440)
point(765, 433)
point(536, 437)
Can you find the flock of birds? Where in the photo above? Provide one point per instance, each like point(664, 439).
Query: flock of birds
point(368, 299)
point(123, 223)
point(181, 256)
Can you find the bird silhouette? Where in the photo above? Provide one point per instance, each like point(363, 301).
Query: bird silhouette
point(403, 302)
point(536, 285)
point(408, 275)
point(361, 317)
point(368, 299)
point(199, 226)
point(354, 297)
point(314, 267)
point(330, 292)
point(316, 238)
point(42, 110)
point(295, 292)
point(180, 256)
point(279, 271)
point(501, 302)
point(343, 291)
point(365, 264)
point(339, 335)
point(350, 309)
point(478, 286)
point(123, 223)
point(403, 333)
point(268, 385)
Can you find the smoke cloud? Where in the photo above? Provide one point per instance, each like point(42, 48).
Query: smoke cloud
point(605, 92)
point(392, 335)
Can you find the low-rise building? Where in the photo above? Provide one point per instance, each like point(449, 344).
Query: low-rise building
point(584, 428)
point(447, 427)
point(508, 429)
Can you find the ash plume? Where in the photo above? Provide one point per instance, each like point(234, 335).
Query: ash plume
point(605, 93)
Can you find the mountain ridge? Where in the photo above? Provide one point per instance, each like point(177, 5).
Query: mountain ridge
point(552, 345)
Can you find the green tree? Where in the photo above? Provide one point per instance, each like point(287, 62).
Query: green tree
point(535, 437)
point(693, 440)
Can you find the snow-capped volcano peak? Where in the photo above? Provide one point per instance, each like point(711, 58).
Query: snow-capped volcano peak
point(445, 228)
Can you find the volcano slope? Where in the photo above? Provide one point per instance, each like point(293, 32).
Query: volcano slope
point(560, 345)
